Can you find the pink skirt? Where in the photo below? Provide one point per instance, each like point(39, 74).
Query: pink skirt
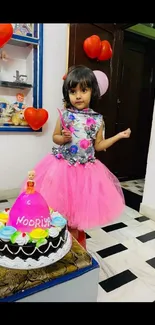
point(87, 195)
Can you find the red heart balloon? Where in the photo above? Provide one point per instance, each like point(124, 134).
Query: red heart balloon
point(6, 31)
point(92, 46)
point(106, 51)
point(35, 117)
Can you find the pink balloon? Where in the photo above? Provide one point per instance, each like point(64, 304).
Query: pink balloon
point(102, 80)
point(29, 211)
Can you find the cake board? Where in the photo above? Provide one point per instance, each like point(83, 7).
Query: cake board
point(73, 278)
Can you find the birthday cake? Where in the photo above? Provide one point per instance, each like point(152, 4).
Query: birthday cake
point(32, 235)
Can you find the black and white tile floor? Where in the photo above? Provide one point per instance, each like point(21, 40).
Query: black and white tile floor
point(125, 251)
point(135, 186)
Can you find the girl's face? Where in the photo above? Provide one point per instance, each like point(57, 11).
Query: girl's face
point(80, 97)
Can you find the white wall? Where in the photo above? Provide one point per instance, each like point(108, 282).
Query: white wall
point(148, 202)
point(20, 152)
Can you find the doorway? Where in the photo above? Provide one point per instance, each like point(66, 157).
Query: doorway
point(129, 101)
point(137, 84)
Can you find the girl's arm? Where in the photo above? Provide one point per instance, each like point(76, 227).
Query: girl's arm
point(61, 136)
point(102, 144)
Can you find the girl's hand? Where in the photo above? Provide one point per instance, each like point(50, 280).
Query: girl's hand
point(125, 134)
point(67, 136)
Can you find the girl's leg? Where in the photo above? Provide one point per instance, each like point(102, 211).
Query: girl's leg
point(79, 235)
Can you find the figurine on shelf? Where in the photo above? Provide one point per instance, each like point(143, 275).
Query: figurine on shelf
point(30, 185)
point(19, 107)
point(6, 111)
point(20, 77)
point(19, 104)
point(4, 56)
point(23, 29)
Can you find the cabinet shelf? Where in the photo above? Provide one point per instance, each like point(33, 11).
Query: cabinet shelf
point(13, 84)
point(11, 128)
point(21, 40)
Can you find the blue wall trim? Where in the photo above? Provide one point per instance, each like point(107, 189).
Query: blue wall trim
point(26, 39)
point(40, 59)
point(35, 77)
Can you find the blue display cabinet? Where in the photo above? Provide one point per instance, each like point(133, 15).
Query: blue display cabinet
point(21, 73)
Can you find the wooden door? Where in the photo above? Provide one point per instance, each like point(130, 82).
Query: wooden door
point(135, 105)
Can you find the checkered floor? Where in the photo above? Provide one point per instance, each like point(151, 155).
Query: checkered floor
point(135, 186)
point(125, 251)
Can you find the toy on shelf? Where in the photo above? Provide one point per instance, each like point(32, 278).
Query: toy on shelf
point(19, 107)
point(6, 111)
point(23, 29)
point(13, 113)
point(4, 56)
point(20, 77)
point(19, 104)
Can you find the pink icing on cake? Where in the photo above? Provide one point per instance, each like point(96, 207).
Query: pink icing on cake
point(29, 211)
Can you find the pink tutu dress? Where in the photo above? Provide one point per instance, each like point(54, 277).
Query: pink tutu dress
point(76, 184)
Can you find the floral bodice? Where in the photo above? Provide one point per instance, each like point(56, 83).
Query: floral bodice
point(84, 126)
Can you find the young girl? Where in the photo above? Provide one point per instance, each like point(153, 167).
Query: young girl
point(71, 179)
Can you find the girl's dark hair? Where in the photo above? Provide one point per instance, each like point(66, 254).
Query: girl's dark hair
point(85, 78)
